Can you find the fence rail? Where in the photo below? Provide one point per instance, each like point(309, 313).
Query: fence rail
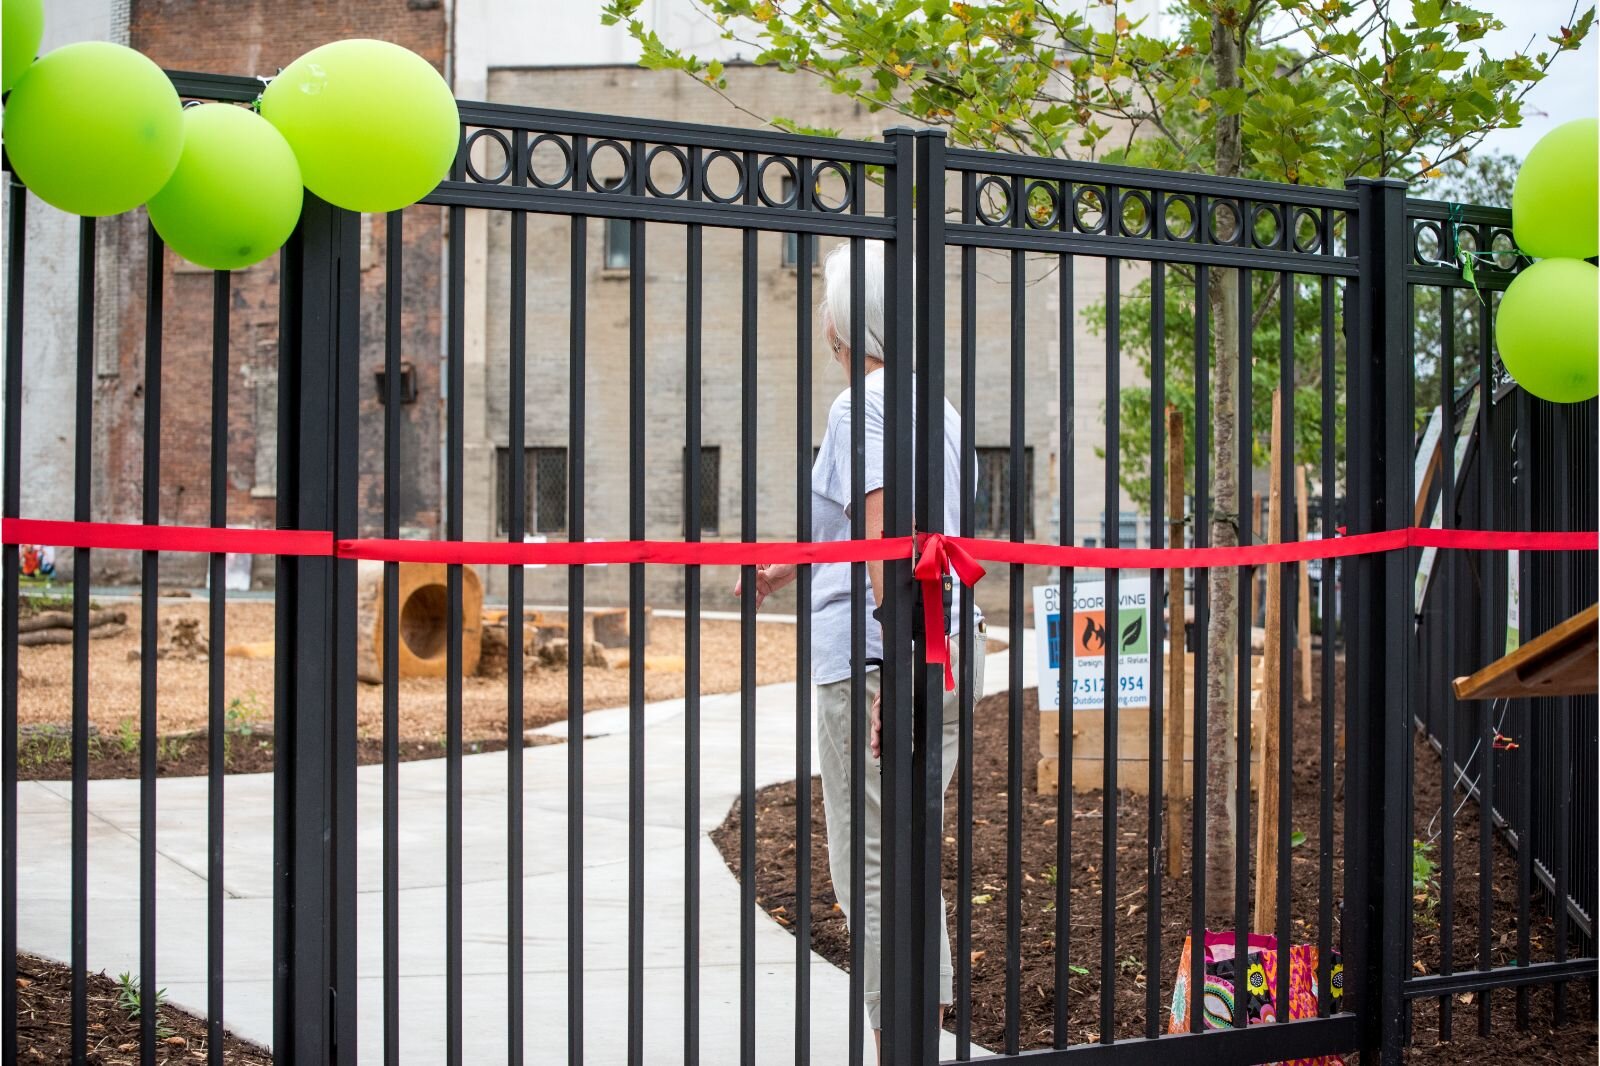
point(1133, 252)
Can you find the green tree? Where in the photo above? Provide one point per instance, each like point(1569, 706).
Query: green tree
point(1306, 91)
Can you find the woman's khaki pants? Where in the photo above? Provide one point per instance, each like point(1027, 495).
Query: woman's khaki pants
point(833, 744)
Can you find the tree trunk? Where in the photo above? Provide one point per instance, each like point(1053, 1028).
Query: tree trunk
point(1222, 769)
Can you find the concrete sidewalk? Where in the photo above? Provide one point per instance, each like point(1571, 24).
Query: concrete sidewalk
point(44, 900)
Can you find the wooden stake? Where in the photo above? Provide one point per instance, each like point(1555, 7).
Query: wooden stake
point(1177, 660)
point(1304, 635)
point(1266, 910)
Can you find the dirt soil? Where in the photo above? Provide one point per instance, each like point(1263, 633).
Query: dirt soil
point(45, 690)
point(44, 1019)
point(775, 872)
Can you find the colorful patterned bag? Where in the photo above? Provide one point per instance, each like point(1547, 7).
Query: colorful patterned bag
point(1255, 991)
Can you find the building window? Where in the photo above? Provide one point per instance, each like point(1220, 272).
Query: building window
point(710, 489)
point(544, 501)
point(992, 512)
point(619, 234)
point(1127, 529)
point(791, 241)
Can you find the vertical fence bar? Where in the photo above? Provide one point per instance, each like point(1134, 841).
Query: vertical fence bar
point(455, 473)
point(1111, 791)
point(394, 299)
point(149, 582)
point(1564, 513)
point(1015, 514)
point(576, 398)
point(1244, 431)
point(1202, 617)
point(636, 530)
point(516, 529)
point(803, 260)
point(967, 681)
point(1288, 645)
point(1326, 585)
point(1524, 756)
point(216, 665)
point(858, 634)
point(10, 566)
point(693, 252)
point(1446, 616)
point(1066, 373)
point(82, 456)
point(1154, 822)
point(1486, 500)
point(748, 501)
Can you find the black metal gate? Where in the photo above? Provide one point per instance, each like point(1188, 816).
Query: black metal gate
point(1173, 240)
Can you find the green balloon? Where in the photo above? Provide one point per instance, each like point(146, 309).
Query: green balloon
point(374, 125)
point(1547, 333)
point(236, 194)
point(22, 23)
point(94, 128)
point(1555, 204)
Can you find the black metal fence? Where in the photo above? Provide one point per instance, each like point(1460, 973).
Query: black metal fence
point(1148, 239)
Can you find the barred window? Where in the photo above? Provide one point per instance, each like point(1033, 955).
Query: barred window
point(544, 501)
point(710, 489)
point(992, 510)
point(1127, 529)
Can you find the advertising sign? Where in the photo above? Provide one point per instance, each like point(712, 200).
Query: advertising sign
point(1084, 639)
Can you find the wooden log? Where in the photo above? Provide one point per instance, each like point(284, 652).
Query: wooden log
point(64, 636)
point(424, 620)
point(1304, 635)
point(1177, 659)
point(63, 620)
point(1266, 909)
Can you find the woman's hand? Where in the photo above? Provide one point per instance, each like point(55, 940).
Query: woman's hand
point(769, 579)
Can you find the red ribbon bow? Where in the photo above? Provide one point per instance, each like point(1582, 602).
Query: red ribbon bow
point(937, 556)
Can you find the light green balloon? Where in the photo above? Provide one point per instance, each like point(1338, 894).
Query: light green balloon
point(374, 125)
point(22, 24)
point(1547, 331)
point(94, 128)
point(1555, 204)
point(236, 194)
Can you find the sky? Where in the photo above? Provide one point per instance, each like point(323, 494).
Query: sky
point(1569, 91)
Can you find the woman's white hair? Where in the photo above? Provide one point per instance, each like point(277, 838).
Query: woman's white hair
point(836, 308)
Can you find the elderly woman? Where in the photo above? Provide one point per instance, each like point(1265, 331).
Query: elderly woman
point(830, 606)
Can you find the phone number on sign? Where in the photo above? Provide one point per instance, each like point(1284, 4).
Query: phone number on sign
point(1096, 686)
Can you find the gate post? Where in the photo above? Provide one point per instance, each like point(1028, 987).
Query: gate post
point(314, 900)
point(928, 818)
point(1377, 612)
point(903, 963)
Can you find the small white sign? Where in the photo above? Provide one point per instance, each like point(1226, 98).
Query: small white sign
point(1084, 639)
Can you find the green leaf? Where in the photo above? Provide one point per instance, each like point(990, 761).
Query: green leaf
point(1296, 839)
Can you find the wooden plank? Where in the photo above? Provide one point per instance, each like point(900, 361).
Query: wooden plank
point(1177, 658)
point(1266, 901)
point(1303, 527)
point(1558, 662)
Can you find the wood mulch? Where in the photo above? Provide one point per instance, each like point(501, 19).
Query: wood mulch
point(775, 876)
point(44, 1023)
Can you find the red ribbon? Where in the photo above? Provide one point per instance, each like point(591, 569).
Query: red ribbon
point(132, 537)
point(937, 556)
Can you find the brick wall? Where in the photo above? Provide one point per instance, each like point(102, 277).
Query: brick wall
point(255, 37)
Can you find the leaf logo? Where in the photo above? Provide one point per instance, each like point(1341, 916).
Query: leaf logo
point(1132, 632)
